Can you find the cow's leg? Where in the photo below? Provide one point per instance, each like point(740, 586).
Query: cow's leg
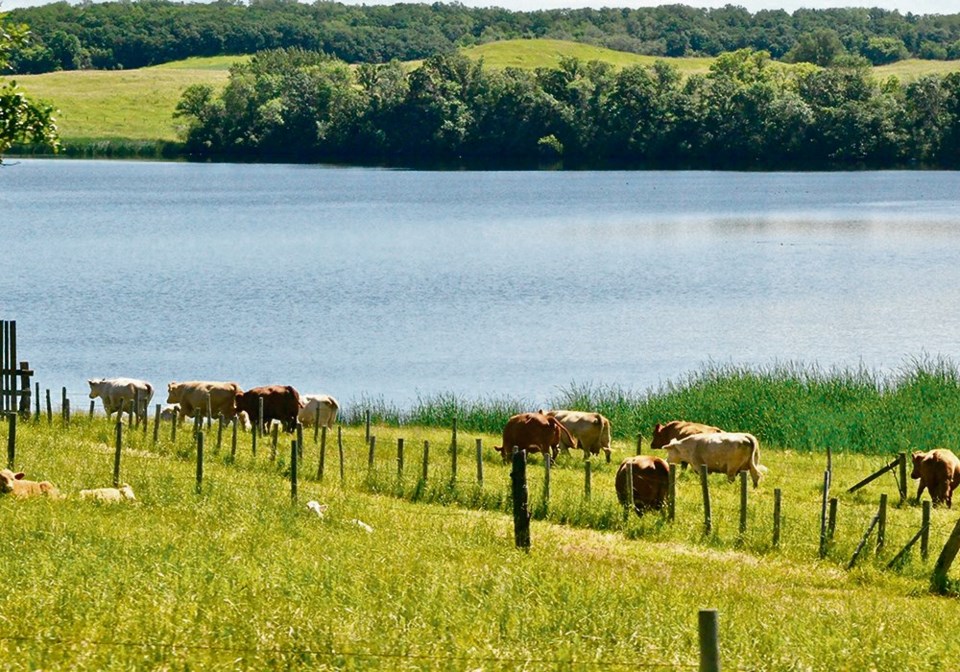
point(732, 474)
point(920, 490)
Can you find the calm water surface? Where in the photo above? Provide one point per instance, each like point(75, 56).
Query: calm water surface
point(398, 283)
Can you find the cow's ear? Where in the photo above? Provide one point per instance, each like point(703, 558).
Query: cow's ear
point(18, 475)
point(657, 427)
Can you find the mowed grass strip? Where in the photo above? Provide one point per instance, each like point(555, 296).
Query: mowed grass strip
point(240, 578)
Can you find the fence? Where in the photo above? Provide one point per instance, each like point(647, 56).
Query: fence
point(14, 375)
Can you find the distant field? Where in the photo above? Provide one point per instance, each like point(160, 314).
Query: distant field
point(914, 67)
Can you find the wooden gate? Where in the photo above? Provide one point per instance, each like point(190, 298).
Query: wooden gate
point(14, 379)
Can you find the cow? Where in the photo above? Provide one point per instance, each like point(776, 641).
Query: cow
point(13, 483)
point(678, 429)
point(124, 492)
point(591, 431)
point(118, 393)
point(192, 398)
point(939, 472)
point(280, 402)
point(327, 405)
point(722, 452)
point(533, 432)
point(651, 482)
point(170, 412)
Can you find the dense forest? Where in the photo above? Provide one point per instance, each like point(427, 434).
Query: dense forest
point(747, 112)
point(134, 34)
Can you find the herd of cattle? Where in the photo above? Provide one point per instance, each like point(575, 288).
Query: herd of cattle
point(548, 432)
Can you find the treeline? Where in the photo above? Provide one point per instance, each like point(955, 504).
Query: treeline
point(747, 112)
point(134, 34)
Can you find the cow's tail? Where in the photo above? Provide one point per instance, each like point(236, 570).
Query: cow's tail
point(564, 431)
point(296, 395)
point(755, 454)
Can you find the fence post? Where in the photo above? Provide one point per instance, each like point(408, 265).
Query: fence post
point(426, 460)
point(293, 471)
point(131, 413)
point(12, 441)
point(521, 514)
point(370, 458)
point(629, 505)
point(366, 434)
point(23, 408)
point(316, 424)
point(63, 404)
point(209, 411)
point(863, 541)
point(233, 437)
point(200, 462)
point(49, 408)
point(672, 493)
point(902, 485)
point(777, 495)
point(156, 423)
point(743, 503)
point(832, 519)
point(400, 458)
point(254, 432)
point(823, 513)
point(708, 629)
point(219, 432)
point(479, 461)
point(274, 436)
point(92, 408)
point(323, 455)
point(882, 523)
point(136, 403)
point(947, 555)
point(299, 428)
point(639, 443)
point(173, 426)
point(453, 453)
point(116, 455)
point(546, 483)
point(36, 415)
point(587, 477)
point(925, 537)
point(66, 412)
point(343, 475)
point(260, 416)
point(707, 521)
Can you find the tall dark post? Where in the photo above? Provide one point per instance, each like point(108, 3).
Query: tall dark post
point(116, 454)
point(521, 513)
point(707, 520)
point(294, 450)
point(12, 441)
point(200, 460)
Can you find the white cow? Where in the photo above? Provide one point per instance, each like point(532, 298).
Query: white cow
point(327, 405)
point(118, 393)
point(591, 430)
point(109, 494)
point(724, 452)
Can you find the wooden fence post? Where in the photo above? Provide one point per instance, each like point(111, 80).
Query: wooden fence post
point(939, 579)
point(274, 437)
point(12, 441)
point(546, 483)
point(832, 519)
point(316, 424)
point(66, 412)
point(173, 426)
point(343, 473)
point(323, 455)
point(219, 432)
point(36, 415)
point(23, 407)
point(882, 523)
point(521, 513)
point(116, 454)
point(63, 405)
point(260, 416)
point(233, 436)
point(630, 504)
point(293, 471)
point(925, 538)
point(209, 411)
point(863, 542)
point(400, 458)
point(708, 629)
point(426, 460)
point(156, 423)
point(823, 514)
point(254, 432)
point(777, 495)
point(707, 520)
point(131, 413)
point(199, 461)
point(49, 408)
point(136, 404)
point(370, 456)
point(299, 428)
point(92, 408)
point(366, 434)
point(902, 484)
point(639, 443)
point(480, 462)
point(587, 477)
point(672, 493)
point(743, 503)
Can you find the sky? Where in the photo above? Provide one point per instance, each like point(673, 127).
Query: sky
point(904, 6)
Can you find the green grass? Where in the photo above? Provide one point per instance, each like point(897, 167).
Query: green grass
point(530, 54)
point(237, 577)
point(914, 68)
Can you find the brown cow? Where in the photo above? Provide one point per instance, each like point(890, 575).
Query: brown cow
point(651, 482)
point(14, 484)
point(678, 429)
point(533, 432)
point(192, 397)
point(280, 402)
point(939, 472)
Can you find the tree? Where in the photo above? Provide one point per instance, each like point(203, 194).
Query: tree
point(21, 120)
point(821, 47)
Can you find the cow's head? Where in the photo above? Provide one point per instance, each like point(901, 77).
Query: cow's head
point(127, 492)
point(7, 478)
point(95, 384)
point(917, 459)
point(504, 452)
point(173, 393)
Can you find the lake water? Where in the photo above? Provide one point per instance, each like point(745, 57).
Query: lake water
point(396, 284)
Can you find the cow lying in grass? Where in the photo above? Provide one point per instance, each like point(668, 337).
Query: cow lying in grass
point(124, 492)
point(11, 483)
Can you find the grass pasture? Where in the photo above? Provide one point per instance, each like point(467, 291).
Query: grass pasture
point(239, 578)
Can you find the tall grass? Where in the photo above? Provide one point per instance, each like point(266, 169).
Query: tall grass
point(803, 407)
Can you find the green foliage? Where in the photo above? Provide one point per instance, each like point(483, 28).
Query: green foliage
point(821, 47)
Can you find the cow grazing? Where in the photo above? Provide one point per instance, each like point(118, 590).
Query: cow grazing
point(591, 431)
point(118, 393)
point(533, 432)
point(124, 492)
point(939, 472)
point(722, 452)
point(11, 483)
point(192, 397)
point(170, 412)
point(651, 482)
point(280, 402)
point(327, 406)
point(678, 429)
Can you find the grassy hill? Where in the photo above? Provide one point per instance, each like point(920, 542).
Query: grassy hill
point(239, 577)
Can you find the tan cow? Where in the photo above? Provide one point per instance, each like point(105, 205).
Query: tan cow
point(192, 397)
point(723, 452)
point(651, 482)
point(678, 429)
point(939, 472)
point(591, 431)
point(124, 492)
point(533, 432)
point(118, 393)
point(327, 405)
point(11, 483)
